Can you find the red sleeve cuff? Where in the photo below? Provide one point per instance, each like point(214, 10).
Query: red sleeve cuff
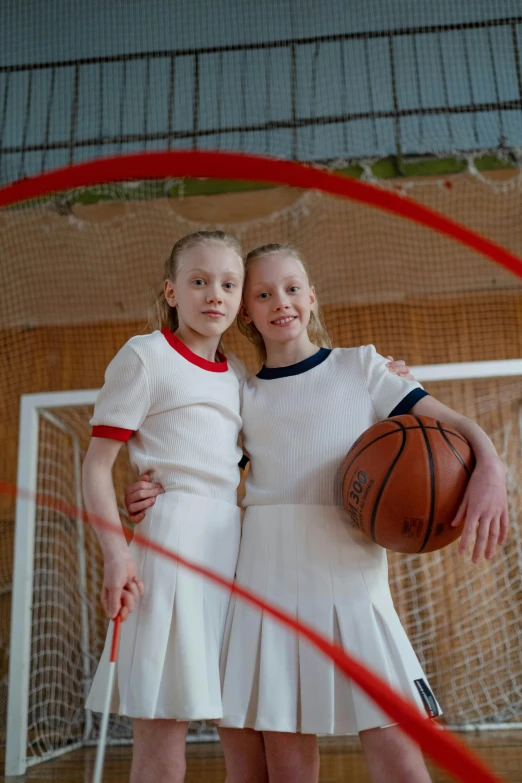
point(114, 433)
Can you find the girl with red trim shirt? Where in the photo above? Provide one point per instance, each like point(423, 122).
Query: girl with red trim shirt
point(173, 397)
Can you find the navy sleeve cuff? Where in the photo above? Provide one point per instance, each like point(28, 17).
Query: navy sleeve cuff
point(408, 402)
point(243, 462)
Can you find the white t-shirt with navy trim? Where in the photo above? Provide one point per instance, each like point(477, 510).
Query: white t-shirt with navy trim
point(299, 422)
point(178, 412)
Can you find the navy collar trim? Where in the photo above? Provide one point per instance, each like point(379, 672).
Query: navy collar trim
point(269, 373)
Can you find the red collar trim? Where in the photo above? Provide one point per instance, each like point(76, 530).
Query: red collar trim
point(193, 358)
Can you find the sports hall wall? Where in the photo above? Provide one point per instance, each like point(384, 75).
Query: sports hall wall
point(438, 322)
point(68, 305)
point(461, 308)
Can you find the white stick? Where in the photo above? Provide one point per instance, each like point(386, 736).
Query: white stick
point(100, 750)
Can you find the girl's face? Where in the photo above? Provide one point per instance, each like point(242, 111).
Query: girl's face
point(207, 289)
point(278, 298)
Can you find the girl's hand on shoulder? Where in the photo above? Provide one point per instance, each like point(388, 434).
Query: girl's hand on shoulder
point(140, 496)
point(484, 510)
point(399, 368)
point(121, 587)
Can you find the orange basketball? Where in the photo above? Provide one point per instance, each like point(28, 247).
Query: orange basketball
point(403, 481)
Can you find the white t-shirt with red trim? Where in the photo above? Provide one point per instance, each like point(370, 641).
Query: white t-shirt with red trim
point(178, 413)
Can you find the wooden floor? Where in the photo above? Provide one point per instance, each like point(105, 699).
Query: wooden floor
point(341, 761)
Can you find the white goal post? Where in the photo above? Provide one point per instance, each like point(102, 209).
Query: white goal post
point(26, 745)
point(31, 407)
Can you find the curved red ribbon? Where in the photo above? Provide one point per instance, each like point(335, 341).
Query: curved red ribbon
point(253, 168)
point(445, 749)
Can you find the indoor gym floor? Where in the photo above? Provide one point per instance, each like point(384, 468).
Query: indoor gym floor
point(341, 761)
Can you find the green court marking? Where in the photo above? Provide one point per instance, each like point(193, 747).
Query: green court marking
point(394, 166)
point(386, 168)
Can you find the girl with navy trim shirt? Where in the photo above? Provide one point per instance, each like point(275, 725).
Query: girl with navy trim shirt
point(299, 550)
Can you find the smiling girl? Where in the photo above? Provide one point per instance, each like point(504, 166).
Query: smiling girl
point(299, 550)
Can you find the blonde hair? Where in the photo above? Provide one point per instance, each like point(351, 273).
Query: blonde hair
point(317, 332)
point(161, 313)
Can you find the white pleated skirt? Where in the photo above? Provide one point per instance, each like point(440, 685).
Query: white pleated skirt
point(168, 662)
point(312, 562)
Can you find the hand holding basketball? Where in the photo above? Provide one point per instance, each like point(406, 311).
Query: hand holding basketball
point(404, 480)
point(411, 484)
point(479, 511)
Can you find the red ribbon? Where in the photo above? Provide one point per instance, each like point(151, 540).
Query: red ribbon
point(252, 168)
point(444, 748)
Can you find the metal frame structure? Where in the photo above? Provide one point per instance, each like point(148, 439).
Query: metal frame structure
point(192, 130)
point(32, 407)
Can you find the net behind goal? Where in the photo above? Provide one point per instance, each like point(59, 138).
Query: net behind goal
point(423, 100)
point(463, 621)
point(380, 279)
point(58, 581)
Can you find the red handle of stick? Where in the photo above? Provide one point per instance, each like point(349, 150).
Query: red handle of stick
point(115, 639)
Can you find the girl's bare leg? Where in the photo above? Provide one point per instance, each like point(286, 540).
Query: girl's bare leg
point(159, 751)
point(291, 758)
point(392, 757)
point(244, 751)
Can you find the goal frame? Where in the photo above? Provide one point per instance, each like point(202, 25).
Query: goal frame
point(31, 407)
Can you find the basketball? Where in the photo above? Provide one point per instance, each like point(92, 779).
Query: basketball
point(403, 481)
